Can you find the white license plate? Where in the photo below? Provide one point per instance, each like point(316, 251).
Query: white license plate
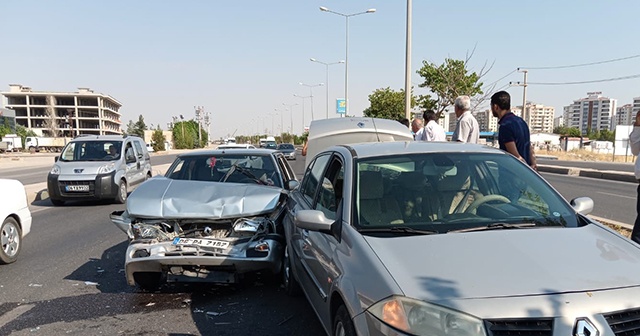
point(77, 188)
point(201, 242)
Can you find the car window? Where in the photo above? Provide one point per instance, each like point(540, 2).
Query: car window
point(138, 148)
point(450, 191)
point(101, 150)
point(313, 177)
point(285, 168)
point(330, 190)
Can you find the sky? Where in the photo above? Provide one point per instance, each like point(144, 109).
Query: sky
point(242, 60)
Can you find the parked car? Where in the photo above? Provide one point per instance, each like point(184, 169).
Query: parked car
point(418, 238)
point(15, 218)
point(288, 150)
point(236, 146)
point(98, 167)
point(215, 216)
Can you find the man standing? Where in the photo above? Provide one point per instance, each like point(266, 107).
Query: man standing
point(416, 129)
point(467, 128)
point(513, 133)
point(432, 130)
point(634, 140)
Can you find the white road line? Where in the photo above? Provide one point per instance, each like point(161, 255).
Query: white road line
point(604, 193)
point(15, 313)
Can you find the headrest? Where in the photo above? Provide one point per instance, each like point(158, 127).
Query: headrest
point(414, 180)
point(371, 186)
point(455, 182)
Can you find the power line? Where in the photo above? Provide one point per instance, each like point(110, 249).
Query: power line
point(583, 64)
point(501, 78)
point(590, 81)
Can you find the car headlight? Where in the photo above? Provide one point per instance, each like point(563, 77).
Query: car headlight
point(55, 170)
point(107, 168)
point(423, 318)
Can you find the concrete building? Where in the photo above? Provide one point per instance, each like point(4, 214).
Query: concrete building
point(450, 126)
point(444, 121)
point(635, 109)
point(558, 121)
point(594, 112)
point(624, 115)
point(8, 118)
point(540, 117)
point(64, 113)
point(486, 121)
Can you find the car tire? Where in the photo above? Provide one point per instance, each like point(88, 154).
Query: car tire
point(56, 202)
point(148, 281)
point(10, 241)
point(121, 196)
point(342, 324)
point(291, 285)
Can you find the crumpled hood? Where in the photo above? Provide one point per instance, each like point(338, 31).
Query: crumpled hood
point(161, 197)
point(509, 262)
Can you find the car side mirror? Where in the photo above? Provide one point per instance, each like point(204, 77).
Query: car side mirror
point(582, 205)
point(313, 220)
point(55, 159)
point(291, 184)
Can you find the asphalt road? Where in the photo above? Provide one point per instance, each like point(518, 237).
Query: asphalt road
point(623, 167)
point(69, 278)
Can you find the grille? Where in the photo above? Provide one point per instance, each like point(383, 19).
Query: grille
point(520, 327)
point(624, 322)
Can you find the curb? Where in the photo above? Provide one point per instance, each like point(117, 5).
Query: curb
point(591, 173)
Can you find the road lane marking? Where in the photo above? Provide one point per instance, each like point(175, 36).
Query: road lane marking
point(15, 313)
point(604, 193)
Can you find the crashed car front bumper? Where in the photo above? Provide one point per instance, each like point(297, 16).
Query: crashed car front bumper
point(188, 263)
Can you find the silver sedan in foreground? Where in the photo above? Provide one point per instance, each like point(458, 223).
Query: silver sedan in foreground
point(416, 238)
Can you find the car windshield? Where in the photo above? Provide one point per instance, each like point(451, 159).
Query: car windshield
point(238, 168)
point(446, 192)
point(91, 151)
point(271, 145)
point(285, 146)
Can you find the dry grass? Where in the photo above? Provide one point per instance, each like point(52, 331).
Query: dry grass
point(621, 230)
point(585, 155)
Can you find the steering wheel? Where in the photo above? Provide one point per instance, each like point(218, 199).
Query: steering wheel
point(484, 199)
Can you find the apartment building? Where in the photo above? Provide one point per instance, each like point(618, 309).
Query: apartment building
point(634, 109)
point(486, 121)
point(624, 115)
point(539, 117)
point(558, 121)
point(594, 112)
point(64, 113)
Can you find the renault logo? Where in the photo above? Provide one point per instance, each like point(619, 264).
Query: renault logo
point(584, 327)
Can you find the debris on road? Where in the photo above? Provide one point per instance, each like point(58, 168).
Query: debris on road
point(91, 283)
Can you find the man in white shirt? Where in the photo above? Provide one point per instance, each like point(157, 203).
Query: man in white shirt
point(416, 129)
point(432, 130)
point(467, 128)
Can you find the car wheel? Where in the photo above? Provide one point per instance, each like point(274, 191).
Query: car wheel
point(56, 202)
point(291, 285)
point(10, 241)
point(121, 198)
point(342, 324)
point(148, 281)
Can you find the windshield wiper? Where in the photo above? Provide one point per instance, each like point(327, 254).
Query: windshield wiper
point(242, 170)
point(399, 229)
point(495, 226)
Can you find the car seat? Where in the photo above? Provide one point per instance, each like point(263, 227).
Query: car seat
point(375, 208)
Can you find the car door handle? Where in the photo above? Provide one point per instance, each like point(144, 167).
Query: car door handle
point(138, 165)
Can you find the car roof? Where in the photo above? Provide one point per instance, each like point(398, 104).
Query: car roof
point(243, 151)
point(374, 149)
point(90, 137)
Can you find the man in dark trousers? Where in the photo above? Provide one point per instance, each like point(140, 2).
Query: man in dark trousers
point(513, 133)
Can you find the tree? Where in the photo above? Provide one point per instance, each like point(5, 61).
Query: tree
point(139, 127)
point(185, 135)
point(450, 80)
point(157, 140)
point(607, 135)
point(50, 123)
point(24, 132)
point(131, 126)
point(566, 131)
point(387, 104)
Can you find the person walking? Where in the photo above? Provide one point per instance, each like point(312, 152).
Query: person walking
point(513, 131)
point(467, 128)
point(417, 129)
point(432, 130)
point(634, 141)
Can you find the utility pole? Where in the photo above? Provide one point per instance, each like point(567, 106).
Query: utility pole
point(199, 115)
point(525, 114)
point(407, 73)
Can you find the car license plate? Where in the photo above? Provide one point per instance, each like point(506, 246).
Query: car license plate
point(201, 242)
point(77, 188)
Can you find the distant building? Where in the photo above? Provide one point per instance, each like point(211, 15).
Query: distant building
point(635, 109)
point(624, 115)
point(8, 118)
point(558, 122)
point(444, 121)
point(82, 112)
point(539, 117)
point(486, 121)
point(452, 122)
point(594, 112)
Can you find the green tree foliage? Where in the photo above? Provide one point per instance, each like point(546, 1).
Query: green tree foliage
point(566, 131)
point(185, 135)
point(387, 104)
point(447, 81)
point(139, 127)
point(24, 132)
point(4, 130)
point(131, 126)
point(158, 139)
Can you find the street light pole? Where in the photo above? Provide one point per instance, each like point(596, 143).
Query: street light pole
point(327, 79)
point(311, 95)
point(407, 67)
point(346, 57)
point(290, 106)
point(303, 98)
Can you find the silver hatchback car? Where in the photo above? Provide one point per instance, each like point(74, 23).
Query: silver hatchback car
point(416, 238)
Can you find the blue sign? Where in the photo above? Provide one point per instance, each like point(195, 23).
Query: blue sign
point(341, 106)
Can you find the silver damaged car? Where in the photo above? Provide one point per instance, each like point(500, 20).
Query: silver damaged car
point(214, 217)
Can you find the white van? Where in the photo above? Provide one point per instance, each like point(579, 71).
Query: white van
point(324, 133)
